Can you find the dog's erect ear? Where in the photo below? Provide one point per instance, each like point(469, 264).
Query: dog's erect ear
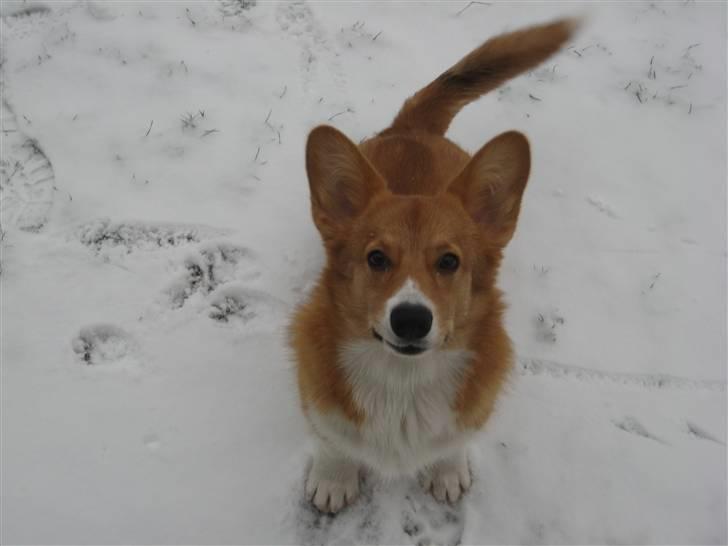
point(491, 185)
point(341, 179)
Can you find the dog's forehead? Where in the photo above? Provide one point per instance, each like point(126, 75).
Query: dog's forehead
point(416, 221)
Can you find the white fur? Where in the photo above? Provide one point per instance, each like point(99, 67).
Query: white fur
point(333, 481)
point(448, 478)
point(407, 402)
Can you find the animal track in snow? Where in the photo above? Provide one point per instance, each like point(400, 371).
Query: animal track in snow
point(546, 326)
point(699, 432)
point(633, 426)
point(236, 8)
point(535, 366)
point(602, 207)
point(298, 20)
point(235, 302)
point(231, 306)
point(104, 345)
point(103, 234)
point(312, 526)
point(23, 9)
point(426, 521)
point(27, 182)
point(213, 265)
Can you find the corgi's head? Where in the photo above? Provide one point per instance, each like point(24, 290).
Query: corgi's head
point(411, 270)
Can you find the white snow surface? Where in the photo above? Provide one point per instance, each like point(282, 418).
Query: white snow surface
point(156, 236)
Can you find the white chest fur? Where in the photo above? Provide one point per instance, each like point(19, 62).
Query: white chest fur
point(408, 407)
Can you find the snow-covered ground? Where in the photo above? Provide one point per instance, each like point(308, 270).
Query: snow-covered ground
point(156, 236)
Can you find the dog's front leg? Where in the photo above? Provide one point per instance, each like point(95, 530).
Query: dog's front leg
point(333, 480)
point(448, 478)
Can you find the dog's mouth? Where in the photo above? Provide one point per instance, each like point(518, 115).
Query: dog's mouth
point(408, 350)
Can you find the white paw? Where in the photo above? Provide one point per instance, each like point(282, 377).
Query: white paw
point(332, 484)
point(447, 480)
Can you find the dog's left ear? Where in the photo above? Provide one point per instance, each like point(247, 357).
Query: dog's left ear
point(491, 185)
point(341, 179)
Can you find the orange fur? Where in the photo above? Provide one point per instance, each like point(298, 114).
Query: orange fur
point(413, 194)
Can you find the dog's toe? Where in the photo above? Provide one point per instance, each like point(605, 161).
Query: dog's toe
point(447, 480)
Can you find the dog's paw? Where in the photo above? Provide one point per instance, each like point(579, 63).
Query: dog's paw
point(332, 495)
point(448, 479)
point(332, 484)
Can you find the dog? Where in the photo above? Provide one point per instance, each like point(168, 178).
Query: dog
point(400, 348)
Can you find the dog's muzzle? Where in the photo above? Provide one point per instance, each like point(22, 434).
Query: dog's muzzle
point(408, 349)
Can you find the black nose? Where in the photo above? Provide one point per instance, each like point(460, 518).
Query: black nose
point(411, 322)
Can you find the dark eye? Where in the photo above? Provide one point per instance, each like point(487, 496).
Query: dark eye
point(448, 263)
point(378, 260)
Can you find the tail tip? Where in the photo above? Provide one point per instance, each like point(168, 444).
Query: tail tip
point(574, 23)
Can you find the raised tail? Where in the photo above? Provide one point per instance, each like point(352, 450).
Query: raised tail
point(433, 107)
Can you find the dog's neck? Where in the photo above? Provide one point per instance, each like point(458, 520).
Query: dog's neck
point(368, 364)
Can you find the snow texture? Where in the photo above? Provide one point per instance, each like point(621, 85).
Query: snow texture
point(156, 236)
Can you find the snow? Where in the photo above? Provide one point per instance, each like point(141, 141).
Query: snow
point(156, 235)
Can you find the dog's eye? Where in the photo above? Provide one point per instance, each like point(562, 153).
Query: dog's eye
point(378, 260)
point(448, 263)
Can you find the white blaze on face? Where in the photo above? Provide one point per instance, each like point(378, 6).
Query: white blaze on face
point(409, 292)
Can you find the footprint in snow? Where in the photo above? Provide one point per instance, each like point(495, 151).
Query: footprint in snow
point(700, 432)
point(547, 324)
point(105, 345)
point(602, 207)
point(425, 521)
point(298, 20)
point(235, 303)
point(215, 280)
point(213, 265)
point(236, 8)
point(102, 235)
point(633, 426)
point(27, 181)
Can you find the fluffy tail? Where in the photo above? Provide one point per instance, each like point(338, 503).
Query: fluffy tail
point(499, 59)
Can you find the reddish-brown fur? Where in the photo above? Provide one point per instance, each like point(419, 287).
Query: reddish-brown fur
point(414, 194)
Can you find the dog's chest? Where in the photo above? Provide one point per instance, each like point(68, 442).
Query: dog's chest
point(407, 405)
point(403, 424)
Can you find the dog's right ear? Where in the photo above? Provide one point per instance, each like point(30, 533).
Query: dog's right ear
point(491, 185)
point(341, 179)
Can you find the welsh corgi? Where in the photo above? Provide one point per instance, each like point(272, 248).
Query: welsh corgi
point(400, 349)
